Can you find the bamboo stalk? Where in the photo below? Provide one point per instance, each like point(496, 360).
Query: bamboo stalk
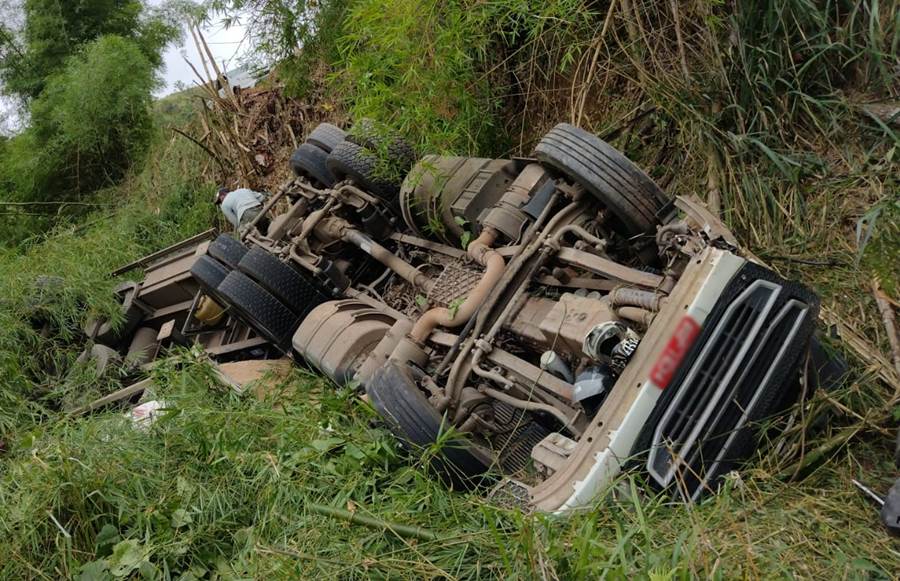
point(598, 44)
point(890, 322)
point(375, 523)
point(223, 80)
point(209, 78)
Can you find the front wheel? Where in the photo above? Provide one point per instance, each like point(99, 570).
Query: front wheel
point(633, 198)
point(394, 395)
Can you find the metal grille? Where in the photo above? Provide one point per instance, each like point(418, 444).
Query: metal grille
point(723, 385)
point(455, 282)
point(516, 452)
point(521, 434)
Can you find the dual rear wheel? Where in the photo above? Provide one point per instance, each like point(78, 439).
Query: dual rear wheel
point(267, 294)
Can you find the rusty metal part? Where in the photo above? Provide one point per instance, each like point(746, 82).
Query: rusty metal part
point(407, 271)
point(553, 451)
point(704, 220)
point(555, 240)
point(532, 406)
point(454, 283)
point(409, 351)
point(531, 244)
point(283, 223)
point(480, 251)
point(530, 376)
point(337, 336)
point(440, 191)
point(638, 315)
point(507, 215)
point(608, 268)
point(598, 284)
point(311, 221)
point(525, 374)
point(624, 296)
point(382, 351)
point(303, 261)
point(561, 324)
point(428, 245)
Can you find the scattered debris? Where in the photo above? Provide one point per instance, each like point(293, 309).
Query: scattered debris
point(145, 414)
point(118, 395)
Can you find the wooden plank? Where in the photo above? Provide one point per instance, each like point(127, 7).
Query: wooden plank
point(124, 393)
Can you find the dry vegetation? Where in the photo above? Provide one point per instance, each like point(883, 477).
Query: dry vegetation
point(757, 105)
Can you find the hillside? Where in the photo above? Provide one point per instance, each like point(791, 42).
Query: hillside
point(758, 109)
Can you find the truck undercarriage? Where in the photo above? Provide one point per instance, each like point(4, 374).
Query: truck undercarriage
point(551, 320)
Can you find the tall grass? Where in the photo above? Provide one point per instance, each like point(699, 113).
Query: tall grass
point(221, 486)
point(157, 206)
point(757, 101)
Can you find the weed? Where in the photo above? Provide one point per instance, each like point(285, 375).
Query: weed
point(756, 102)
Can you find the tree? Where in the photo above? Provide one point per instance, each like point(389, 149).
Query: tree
point(54, 30)
point(89, 124)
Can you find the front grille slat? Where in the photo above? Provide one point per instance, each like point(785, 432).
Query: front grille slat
point(675, 441)
point(733, 417)
point(741, 369)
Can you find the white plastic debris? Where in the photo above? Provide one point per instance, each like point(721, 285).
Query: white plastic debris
point(144, 415)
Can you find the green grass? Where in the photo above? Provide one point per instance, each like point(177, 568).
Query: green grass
point(222, 486)
point(162, 204)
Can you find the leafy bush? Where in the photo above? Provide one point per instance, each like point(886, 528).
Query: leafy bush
point(88, 126)
point(165, 202)
point(299, 36)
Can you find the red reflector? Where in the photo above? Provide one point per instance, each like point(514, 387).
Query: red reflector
point(677, 347)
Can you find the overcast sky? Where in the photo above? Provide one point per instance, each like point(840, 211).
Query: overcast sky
point(227, 46)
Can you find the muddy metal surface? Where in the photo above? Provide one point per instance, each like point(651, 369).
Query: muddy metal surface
point(561, 314)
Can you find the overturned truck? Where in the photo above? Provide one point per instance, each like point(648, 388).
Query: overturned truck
point(550, 320)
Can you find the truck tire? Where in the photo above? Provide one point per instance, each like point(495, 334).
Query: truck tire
point(289, 286)
point(394, 395)
point(259, 309)
point(326, 136)
point(308, 161)
point(227, 250)
point(377, 137)
point(354, 162)
point(209, 274)
point(630, 194)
